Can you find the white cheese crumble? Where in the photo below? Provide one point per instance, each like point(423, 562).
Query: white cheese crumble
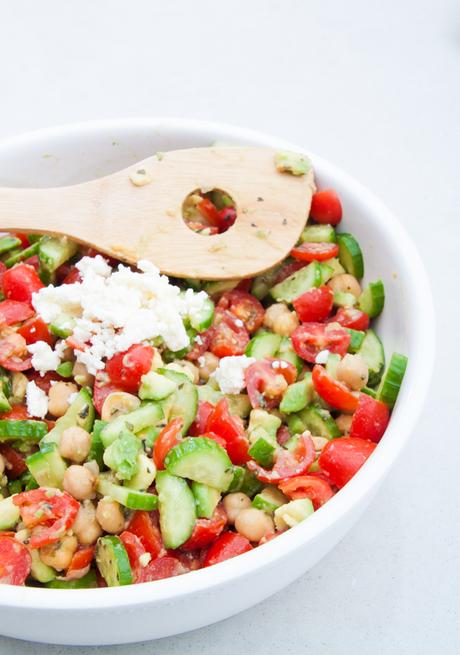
point(144, 559)
point(321, 357)
point(230, 373)
point(44, 358)
point(72, 397)
point(37, 401)
point(115, 309)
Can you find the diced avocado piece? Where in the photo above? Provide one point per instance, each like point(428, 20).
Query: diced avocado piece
point(372, 299)
point(372, 352)
point(121, 455)
point(297, 283)
point(4, 402)
point(262, 449)
point(9, 514)
point(177, 509)
point(259, 420)
point(145, 475)
point(155, 386)
point(47, 466)
point(127, 497)
point(350, 255)
point(295, 424)
point(88, 581)
point(344, 299)
point(297, 396)
point(80, 413)
point(239, 404)
point(135, 421)
point(202, 460)
point(320, 422)
point(206, 499)
point(318, 234)
point(269, 499)
point(40, 571)
point(356, 340)
point(54, 251)
point(183, 402)
point(263, 345)
point(286, 351)
point(292, 162)
point(292, 513)
point(113, 562)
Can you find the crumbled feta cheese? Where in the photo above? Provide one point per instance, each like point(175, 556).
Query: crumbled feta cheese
point(198, 340)
point(239, 322)
point(37, 401)
point(115, 309)
point(144, 559)
point(44, 358)
point(321, 357)
point(283, 364)
point(276, 364)
point(201, 361)
point(230, 373)
point(72, 397)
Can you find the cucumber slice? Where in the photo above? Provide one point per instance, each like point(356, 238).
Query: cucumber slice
point(369, 392)
point(47, 466)
point(269, 499)
point(156, 387)
point(8, 243)
point(65, 369)
point(318, 234)
point(206, 499)
point(344, 299)
point(320, 422)
point(113, 562)
point(350, 255)
point(202, 460)
point(297, 283)
point(297, 396)
point(177, 509)
point(145, 474)
point(54, 251)
point(333, 361)
point(22, 430)
point(39, 571)
point(143, 417)
point(327, 272)
point(263, 345)
point(203, 319)
point(96, 451)
point(392, 379)
point(356, 339)
point(372, 299)
point(336, 266)
point(80, 413)
point(88, 581)
point(9, 514)
point(183, 402)
point(263, 283)
point(19, 256)
point(207, 393)
point(244, 481)
point(130, 498)
point(295, 424)
point(372, 352)
point(286, 351)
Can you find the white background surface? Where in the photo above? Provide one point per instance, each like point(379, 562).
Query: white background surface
point(375, 87)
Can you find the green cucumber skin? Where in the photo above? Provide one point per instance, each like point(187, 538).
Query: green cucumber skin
point(391, 381)
point(297, 283)
point(80, 413)
point(372, 299)
point(113, 562)
point(23, 430)
point(202, 460)
point(206, 499)
point(318, 234)
point(8, 243)
point(47, 466)
point(183, 402)
point(177, 509)
point(350, 255)
point(320, 422)
point(371, 350)
point(88, 581)
point(54, 251)
point(263, 345)
point(263, 452)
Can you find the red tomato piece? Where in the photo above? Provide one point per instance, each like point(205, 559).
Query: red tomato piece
point(335, 393)
point(342, 458)
point(15, 464)
point(206, 530)
point(35, 329)
point(49, 513)
point(126, 369)
point(326, 207)
point(3, 270)
point(80, 563)
point(370, 419)
point(228, 336)
point(72, 276)
point(245, 307)
point(170, 435)
point(309, 252)
point(13, 351)
point(44, 383)
point(287, 463)
point(135, 550)
point(20, 282)
point(210, 212)
point(142, 526)
point(22, 236)
point(198, 426)
point(231, 429)
point(314, 305)
point(227, 216)
point(245, 285)
point(102, 388)
point(15, 561)
point(307, 486)
point(310, 338)
point(267, 380)
point(163, 567)
point(17, 412)
point(283, 435)
point(228, 545)
point(351, 318)
point(13, 311)
point(200, 345)
point(34, 262)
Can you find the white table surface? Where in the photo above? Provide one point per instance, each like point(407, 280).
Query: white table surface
point(375, 87)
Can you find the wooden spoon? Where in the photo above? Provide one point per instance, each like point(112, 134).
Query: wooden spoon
point(132, 222)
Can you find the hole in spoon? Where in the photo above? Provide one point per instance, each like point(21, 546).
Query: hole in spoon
point(208, 212)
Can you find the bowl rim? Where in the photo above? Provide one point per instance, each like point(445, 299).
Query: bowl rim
point(418, 376)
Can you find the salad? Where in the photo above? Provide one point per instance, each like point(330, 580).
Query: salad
point(150, 427)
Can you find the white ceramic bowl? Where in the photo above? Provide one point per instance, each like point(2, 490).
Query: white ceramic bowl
point(75, 153)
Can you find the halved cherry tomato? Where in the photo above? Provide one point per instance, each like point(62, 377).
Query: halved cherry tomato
point(245, 307)
point(342, 458)
point(102, 388)
point(228, 545)
point(15, 561)
point(17, 412)
point(20, 282)
point(307, 486)
point(44, 383)
point(206, 530)
point(370, 419)
point(231, 429)
point(308, 252)
point(35, 329)
point(283, 435)
point(48, 512)
point(287, 269)
point(13, 351)
point(214, 437)
point(13, 311)
point(80, 563)
point(310, 338)
point(335, 393)
point(25, 243)
point(227, 216)
point(326, 207)
point(200, 345)
point(135, 550)
point(3, 270)
point(198, 426)
point(315, 304)
point(15, 463)
point(228, 336)
point(72, 276)
point(351, 318)
point(267, 380)
point(168, 437)
point(209, 211)
point(163, 567)
point(142, 526)
point(287, 463)
point(126, 369)
point(33, 261)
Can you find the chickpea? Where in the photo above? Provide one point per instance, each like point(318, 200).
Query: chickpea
point(234, 503)
point(190, 370)
point(118, 403)
point(344, 422)
point(18, 387)
point(81, 375)
point(75, 444)
point(254, 524)
point(353, 370)
point(58, 397)
point(110, 515)
point(2, 465)
point(79, 482)
point(279, 319)
point(208, 363)
point(345, 283)
point(59, 554)
point(86, 527)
